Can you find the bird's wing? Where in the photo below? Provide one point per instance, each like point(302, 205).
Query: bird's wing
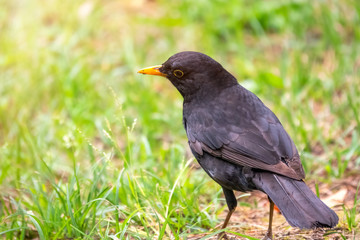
point(248, 138)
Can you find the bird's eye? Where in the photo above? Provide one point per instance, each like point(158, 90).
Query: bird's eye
point(178, 73)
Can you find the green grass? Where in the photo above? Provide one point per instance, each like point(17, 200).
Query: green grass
point(91, 150)
point(351, 214)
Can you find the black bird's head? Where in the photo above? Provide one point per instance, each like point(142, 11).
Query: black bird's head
point(193, 72)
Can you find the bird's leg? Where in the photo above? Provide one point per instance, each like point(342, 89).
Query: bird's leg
point(232, 203)
point(269, 234)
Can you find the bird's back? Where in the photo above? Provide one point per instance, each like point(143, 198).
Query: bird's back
point(237, 123)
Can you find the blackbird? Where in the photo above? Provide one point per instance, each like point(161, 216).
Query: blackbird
point(239, 142)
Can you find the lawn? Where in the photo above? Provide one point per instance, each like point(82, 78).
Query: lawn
point(89, 149)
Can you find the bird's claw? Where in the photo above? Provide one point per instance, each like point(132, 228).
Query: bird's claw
point(222, 236)
point(268, 236)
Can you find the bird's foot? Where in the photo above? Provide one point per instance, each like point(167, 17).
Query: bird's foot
point(268, 236)
point(222, 236)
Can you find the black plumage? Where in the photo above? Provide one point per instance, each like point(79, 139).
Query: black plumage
point(239, 142)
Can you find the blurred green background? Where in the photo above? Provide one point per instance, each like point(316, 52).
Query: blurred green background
point(91, 150)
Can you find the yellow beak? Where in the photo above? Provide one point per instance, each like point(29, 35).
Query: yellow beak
point(154, 70)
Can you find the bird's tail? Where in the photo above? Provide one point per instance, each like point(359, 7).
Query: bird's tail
point(299, 205)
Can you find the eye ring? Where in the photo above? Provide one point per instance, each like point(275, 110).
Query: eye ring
point(178, 73)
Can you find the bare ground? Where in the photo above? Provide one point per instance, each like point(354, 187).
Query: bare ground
point(254, 221)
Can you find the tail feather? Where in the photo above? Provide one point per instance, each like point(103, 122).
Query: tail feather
point(299, 205)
